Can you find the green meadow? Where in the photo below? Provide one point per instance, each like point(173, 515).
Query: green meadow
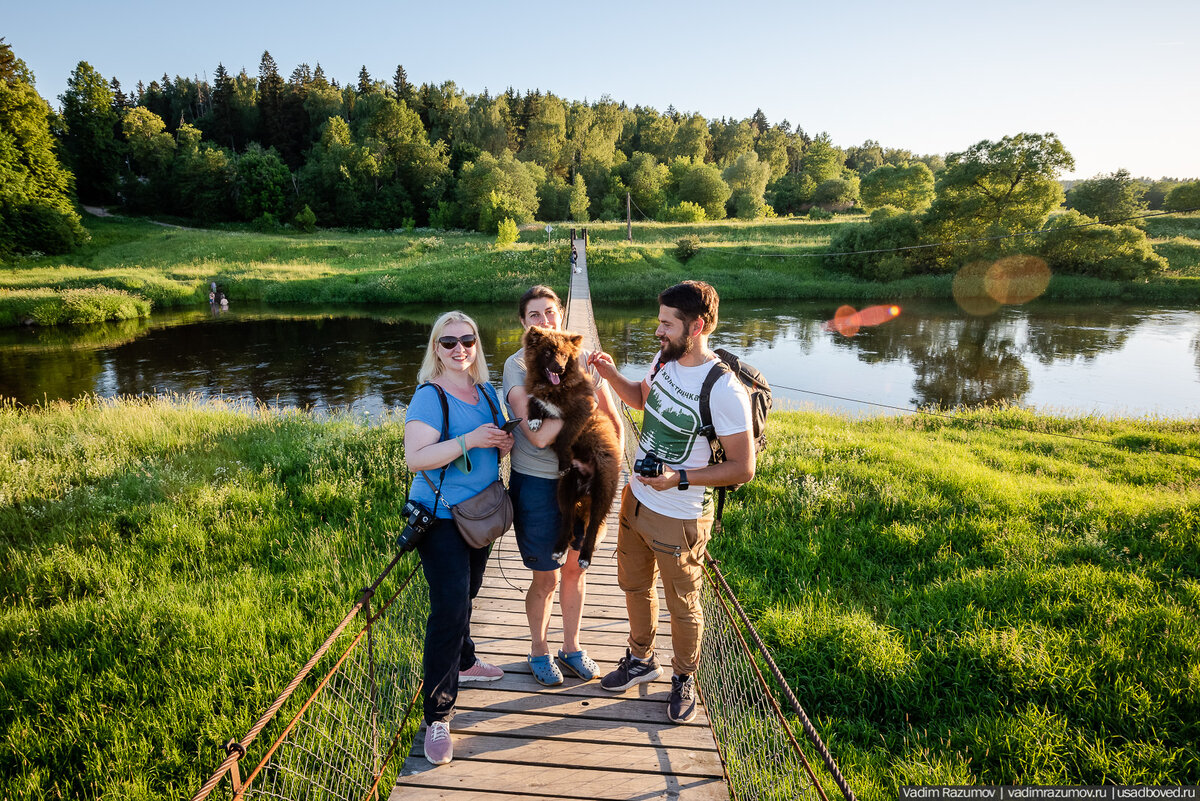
point(997, 600)
point(132, 266)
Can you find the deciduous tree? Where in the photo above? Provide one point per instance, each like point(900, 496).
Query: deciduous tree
point(1108, 198)
point(909, 187)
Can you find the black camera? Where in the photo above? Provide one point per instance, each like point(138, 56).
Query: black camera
point(420, 520)
point(649, 466)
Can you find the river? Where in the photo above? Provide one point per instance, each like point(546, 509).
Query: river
point(1105, 359)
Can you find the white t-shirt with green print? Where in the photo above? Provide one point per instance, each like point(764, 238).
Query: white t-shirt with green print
point(671, 428)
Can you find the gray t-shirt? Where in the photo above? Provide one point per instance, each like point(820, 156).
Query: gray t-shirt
point(527, 459)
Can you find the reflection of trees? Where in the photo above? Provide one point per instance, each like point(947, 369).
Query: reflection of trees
point(958, 361)
point(1064, 332)
point(1196, 350)
point(628, 333)
point(28, 377)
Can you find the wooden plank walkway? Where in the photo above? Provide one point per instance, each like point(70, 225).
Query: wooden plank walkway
point(517, 739)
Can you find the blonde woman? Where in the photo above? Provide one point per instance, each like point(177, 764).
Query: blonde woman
point(448, 471)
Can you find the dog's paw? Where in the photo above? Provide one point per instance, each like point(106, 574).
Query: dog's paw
point(534, 425)
point(584, 563)
point(557, 556)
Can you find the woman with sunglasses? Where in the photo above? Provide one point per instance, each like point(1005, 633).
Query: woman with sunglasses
point(533, 486)
point(457, 468)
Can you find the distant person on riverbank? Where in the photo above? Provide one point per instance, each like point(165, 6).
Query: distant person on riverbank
point(453, 570)
point(666, 509)
point(574, 259)
point(533, 485)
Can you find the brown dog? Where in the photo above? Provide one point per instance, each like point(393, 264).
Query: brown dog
point(558, 388)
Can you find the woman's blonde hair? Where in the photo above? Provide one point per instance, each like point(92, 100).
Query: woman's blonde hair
point(431, 365)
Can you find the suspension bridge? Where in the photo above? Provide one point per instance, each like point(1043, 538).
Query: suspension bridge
point(515, 738)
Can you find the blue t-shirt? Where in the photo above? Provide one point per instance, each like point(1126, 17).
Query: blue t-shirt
point(464, 418)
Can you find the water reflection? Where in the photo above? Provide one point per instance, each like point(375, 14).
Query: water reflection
point(1111, 358)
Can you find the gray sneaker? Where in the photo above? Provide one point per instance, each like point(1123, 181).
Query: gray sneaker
point(681, 703)
point(631, 671)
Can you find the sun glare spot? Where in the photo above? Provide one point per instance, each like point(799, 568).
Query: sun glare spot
point(847, 322)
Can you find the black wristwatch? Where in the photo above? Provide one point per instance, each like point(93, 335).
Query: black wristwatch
point(683, 482)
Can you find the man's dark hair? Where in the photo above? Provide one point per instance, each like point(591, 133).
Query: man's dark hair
point(538, 291)
point(693, 300)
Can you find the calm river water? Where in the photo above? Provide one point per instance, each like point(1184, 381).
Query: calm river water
point(1111, 360)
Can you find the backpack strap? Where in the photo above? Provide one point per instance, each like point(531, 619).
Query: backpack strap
point(445, 435)
point(707, 429)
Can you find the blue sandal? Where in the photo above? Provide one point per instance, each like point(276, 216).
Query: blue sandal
point(545, 672)
point(579, 663)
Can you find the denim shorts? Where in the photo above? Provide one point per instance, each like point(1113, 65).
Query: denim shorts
point(536, 520)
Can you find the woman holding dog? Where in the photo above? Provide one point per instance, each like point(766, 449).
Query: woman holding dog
point(533, 485)
point(457, 468)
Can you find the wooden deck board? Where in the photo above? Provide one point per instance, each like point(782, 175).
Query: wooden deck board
point(515, 739)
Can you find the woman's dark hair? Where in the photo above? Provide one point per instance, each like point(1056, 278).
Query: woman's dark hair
point(538, 291)
point(693, 300)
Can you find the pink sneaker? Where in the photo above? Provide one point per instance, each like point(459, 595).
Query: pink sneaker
point(439, 748)
point(480, 671)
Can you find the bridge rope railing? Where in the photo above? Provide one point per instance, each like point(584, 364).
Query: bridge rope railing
point(341, 738)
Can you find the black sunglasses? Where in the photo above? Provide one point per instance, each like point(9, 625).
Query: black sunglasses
point(467, 340)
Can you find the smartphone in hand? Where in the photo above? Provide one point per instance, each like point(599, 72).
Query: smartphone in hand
point(511, 425)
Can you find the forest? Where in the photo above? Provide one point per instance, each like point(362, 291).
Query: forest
point(305, 151)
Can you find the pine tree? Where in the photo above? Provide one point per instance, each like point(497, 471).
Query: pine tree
point(270, 102)
point(90, 140)
point(364, 81)
point(36, 209)
point(401, 85)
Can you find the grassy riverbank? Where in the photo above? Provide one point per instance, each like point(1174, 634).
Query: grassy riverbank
point(172, 267)
point(951, 603)
point(964, 604)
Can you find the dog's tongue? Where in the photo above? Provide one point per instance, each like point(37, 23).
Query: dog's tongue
point(554, 379)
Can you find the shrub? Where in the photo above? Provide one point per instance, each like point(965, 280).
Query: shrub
point(266, 223)
point(885, 212)
point(684, 212)
point(837, 192)
point(40, 228)
point(1105, 251)
point(896, 231)
point(687, 247)
point(506, 233)
point(306, 220)
point(818, 213)
point(1183, 197)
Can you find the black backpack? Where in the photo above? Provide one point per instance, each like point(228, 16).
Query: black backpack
point(760, 405)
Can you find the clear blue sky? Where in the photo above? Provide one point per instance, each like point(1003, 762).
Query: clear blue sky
point(1119, 82)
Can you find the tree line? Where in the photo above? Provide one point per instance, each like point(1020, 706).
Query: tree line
point(305, 150)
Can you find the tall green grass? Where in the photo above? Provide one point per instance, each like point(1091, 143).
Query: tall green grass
point(167, 567)
point(952, 603)
point(968, 604)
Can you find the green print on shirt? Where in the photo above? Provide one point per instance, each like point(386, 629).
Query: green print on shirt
point(668, 429)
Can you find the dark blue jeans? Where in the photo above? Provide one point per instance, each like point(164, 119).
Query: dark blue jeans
point(454, 572)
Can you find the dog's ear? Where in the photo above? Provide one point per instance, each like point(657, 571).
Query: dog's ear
point(533, 335)
point(576, 341)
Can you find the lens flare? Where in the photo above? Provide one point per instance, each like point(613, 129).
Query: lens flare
point(1017, 279)
point(847, 322)
point(969, 291)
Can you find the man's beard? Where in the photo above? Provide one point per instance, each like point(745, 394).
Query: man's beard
point(676, 349)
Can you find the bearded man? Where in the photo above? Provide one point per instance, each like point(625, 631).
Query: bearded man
point(667, 509)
